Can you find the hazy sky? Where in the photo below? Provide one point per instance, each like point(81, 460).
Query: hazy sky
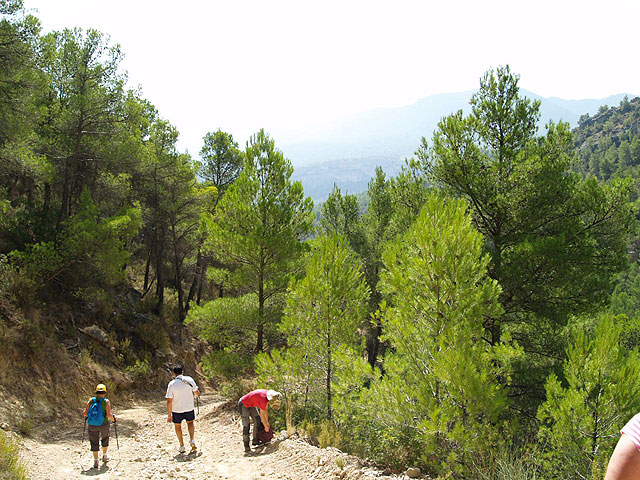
point(289, 65)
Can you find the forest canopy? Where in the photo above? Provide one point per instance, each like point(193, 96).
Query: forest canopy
point(474, 311)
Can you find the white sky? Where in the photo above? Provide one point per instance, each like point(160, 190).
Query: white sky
point(287, 65)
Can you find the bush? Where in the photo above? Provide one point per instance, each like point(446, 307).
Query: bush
point(141, 368)
point(153, 334)
point(236, 388)
point(323, 433)
point(17, 286)
point(25, 426)
point(85, 358)
point(510, 465)
point(227, 364)
point(4, 275)
point(10, 466)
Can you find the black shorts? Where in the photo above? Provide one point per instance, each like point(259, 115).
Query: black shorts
point(179, 417)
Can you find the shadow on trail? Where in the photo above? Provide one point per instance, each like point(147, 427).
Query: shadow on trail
point(92, 472)
point(183, 457)
point(267, 449)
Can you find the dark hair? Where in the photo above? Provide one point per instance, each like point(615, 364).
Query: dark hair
point(177, 369)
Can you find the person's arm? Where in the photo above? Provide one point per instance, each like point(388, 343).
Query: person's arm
point(110, 415)
point(169, 403)
point(195, 389)
point(86, 409)
point(264, 416)
point(624, 463)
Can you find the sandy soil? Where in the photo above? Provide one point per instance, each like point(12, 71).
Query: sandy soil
point(148, 449)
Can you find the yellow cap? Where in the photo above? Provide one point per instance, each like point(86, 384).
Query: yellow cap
point(101, 388)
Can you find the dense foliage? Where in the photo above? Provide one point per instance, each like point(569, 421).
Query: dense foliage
point(477, 311)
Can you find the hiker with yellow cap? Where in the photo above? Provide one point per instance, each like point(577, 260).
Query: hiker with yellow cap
point(98, 413)
point(249, 406)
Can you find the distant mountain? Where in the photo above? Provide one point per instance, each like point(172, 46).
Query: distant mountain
point(348, 152)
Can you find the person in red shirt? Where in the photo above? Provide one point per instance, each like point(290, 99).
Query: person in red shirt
point(254, 404)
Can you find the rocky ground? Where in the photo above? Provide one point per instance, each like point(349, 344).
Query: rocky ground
point(148, 450)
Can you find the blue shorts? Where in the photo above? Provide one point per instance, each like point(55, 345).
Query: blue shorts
point(179, 417)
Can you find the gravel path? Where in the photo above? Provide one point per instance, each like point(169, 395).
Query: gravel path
point(148, 450)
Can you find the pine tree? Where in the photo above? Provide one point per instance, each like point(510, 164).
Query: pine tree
point(583, 413)
point(323, 312)
point(443, 372)
point(259, 226)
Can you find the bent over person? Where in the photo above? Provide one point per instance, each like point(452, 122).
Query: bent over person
point(97, 414)
point(254, 405)
point(624, 463)
point(180, 393)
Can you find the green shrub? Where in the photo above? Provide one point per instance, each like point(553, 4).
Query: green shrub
point(5, 269)
point(235, 388)
point(25, 426)
point(141, 368)
point(153, 333)
point(10, 466)
point(323, 433)
point(226, 363)
point(124, 352)
point(19, 287)
point(85, 358)
point(510, 465)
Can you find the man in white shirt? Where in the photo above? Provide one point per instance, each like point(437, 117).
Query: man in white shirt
point(180, 393)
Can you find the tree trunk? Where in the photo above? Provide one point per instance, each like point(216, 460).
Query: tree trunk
point(47, 200)
point(146, 271)
point(374, 344)
point(329, 413)
point(194, 283)
point(178, 266)
point(494, 328)
point(69, 165)
point(260, 341)
point(66, 193)
point(159, 253)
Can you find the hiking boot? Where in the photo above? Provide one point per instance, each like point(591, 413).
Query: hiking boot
point(257, 442)
point(247, 448)
point(182, 449)
point(96, 464)
point(194, 449)
point(105, 459)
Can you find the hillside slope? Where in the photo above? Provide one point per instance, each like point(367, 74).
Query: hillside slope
point(608, 143)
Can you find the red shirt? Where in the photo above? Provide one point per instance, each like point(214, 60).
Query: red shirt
point(257, 398)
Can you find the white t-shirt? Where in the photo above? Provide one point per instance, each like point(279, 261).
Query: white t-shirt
point(180, 389)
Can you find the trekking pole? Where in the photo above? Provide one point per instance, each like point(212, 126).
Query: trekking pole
point(115, 427)
point(198, 404)
point(84, 428)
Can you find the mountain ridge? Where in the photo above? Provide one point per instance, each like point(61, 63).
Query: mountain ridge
point(347, 152)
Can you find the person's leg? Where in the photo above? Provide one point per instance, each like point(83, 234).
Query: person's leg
point(192, 429)
point(245, 428)
point(94, 440)
point(255, 413)
point(178, 427)
point(105, 434)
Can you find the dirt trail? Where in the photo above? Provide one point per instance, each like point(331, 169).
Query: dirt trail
point(148, 450)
